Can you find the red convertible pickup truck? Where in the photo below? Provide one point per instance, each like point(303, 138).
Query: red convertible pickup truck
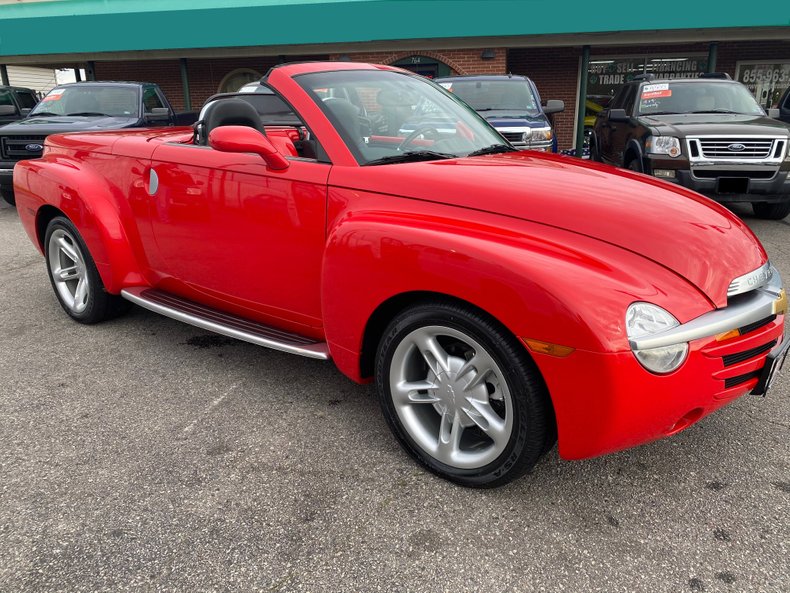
point(500, 300)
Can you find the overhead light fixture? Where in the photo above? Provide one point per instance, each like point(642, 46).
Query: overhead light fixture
point(488, 54)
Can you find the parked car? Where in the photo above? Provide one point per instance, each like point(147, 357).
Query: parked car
point(784, 106)
point(83, 107)
point(15, 103)
point(496, 297)
point(511, 104)
point(707, 134)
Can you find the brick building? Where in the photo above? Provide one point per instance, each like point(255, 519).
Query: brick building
point(194, 50)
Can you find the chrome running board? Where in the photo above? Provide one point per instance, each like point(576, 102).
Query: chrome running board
point(224, 323)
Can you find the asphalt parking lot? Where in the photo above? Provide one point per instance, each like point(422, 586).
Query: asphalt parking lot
point(146, 455)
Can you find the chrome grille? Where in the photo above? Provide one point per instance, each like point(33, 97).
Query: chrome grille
point(514, 137)
point(14, 148)
point(734, 148)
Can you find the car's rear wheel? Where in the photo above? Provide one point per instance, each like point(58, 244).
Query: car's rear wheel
point(8, 196)
point(74, 277)
point(771, 211)
point(462, 396)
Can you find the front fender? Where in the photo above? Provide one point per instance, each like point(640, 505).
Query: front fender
point(88, 199)
point(542, 283)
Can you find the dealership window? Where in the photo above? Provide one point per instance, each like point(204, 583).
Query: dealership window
point(237, 79)
point(766, 80)
point(607, 74)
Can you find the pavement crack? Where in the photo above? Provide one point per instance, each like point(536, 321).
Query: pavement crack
point(191, 426)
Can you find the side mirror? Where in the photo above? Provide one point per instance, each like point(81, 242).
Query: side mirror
point(246, 139)
point(554, 106)
point(774, 113)
point(157, 114)
point(618, 115)
point(7, 110)
point(25, 111)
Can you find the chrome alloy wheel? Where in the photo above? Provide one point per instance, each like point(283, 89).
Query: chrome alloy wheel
point(451, 397)
point(69, 273)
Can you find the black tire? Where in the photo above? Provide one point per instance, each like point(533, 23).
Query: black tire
point(771, 211)
point(595, 153)
point(533, 430)
point(97, 305)
point(8, 196)
point(634, 165)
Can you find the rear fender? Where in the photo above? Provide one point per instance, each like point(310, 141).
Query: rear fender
point(96, 207)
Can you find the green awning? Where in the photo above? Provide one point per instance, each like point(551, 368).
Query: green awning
point(94, 26)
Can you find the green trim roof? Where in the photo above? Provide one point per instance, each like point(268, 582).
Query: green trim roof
point(93, 26)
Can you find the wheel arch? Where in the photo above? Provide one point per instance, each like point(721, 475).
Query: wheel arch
point(63, 186)
point(633, 150)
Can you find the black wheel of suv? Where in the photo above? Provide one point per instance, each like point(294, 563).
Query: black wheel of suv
point(462, 396)
point(771, 211)
point(634, 165)
point(595, 154)
point(8, 196)
point(74, 276)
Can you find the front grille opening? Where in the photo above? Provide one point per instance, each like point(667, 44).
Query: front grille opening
point(751, 174)
point(756, 325)
point(731, 359)
point(694, 149)
point(740, 379)
point(779, 149)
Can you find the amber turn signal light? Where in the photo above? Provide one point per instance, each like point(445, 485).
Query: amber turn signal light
point(780, 304)
point(546, 348)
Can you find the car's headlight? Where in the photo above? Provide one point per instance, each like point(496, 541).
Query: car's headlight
point(539, 135)
point(668, 145)
point(645, 319)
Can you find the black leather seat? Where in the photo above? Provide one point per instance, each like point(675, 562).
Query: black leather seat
point(227, 112)
point(347, 116)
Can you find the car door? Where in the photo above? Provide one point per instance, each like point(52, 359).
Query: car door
point(621, 131)
point(233, 234)
point(605, 127)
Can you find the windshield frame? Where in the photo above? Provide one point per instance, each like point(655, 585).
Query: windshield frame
point(41, 106)
point(353, 148)
point(692, 83)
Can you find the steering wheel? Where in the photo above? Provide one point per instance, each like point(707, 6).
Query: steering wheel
point(420, 131)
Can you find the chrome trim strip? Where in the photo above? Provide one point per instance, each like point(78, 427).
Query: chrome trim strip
point(318, 350)
point(752, 280)
point(757, 305)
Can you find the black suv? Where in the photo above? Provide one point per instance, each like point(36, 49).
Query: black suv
point(15, 103)
point(707, 134)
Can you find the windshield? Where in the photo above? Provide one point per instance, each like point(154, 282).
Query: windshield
point(383, 116)
point(116, 101)
point(495, 95)
point(697, 97)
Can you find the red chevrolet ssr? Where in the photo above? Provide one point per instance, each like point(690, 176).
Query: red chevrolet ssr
point(500, 300)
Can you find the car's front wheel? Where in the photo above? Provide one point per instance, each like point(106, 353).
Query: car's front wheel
point(771, 211)
point(462, 396)
point(74, 276)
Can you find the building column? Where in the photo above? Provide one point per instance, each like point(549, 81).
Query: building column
point(90, 70)
point(185, 84)
point(4, 75)
point(581, 107)
point(713, 51)
point(77, 75)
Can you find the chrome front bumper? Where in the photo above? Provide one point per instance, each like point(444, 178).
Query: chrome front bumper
point(768, 299)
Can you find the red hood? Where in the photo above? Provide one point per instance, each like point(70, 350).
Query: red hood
point(677, 228)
